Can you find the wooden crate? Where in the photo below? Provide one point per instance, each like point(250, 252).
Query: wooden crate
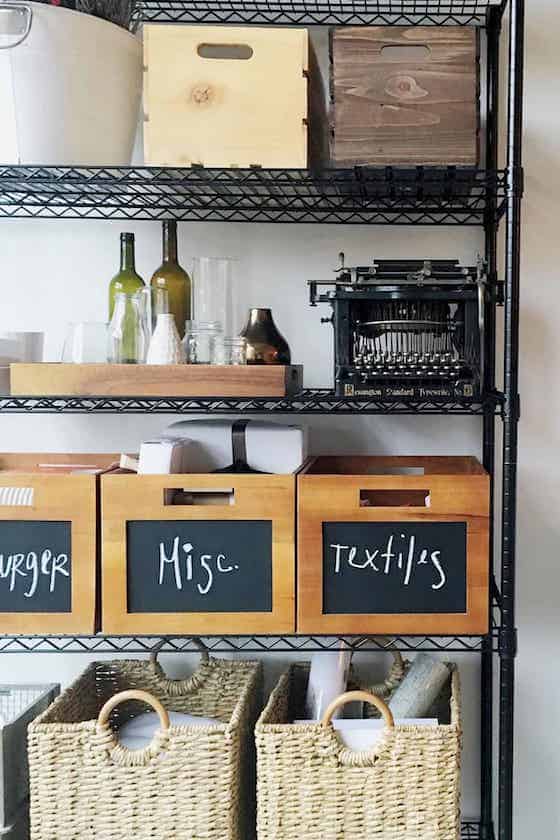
point(394, 106)
point(48, 545)
point(223, 563)
point(45, 379)
point(393, 546)
point(205, 106)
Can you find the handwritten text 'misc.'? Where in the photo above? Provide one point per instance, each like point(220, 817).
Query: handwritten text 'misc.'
point(179, 563)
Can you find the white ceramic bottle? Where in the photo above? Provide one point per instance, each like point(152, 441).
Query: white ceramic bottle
point(165, 346)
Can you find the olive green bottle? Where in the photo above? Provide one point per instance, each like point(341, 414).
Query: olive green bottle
point(173, 279)
point(127, 280)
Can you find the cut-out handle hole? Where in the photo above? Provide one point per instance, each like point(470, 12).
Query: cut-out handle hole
point(190, 498)
point(406, 52)
point(227, 52)
point(394, 498)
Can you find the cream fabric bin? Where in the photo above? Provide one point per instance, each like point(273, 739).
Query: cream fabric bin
point(310, 786)
point(188, 784)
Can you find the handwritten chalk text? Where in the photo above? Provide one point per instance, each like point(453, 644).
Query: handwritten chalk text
point(400, 555)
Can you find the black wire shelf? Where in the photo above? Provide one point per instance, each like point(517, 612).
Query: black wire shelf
point(311, 401)
point(363, 195)
point(135, 645)
point(320, 12)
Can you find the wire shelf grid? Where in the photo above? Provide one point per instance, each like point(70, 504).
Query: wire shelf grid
point(100, 644)
point(363, 195)
point(311, 401)
point(321, 12)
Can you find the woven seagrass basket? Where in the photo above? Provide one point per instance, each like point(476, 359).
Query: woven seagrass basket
point(310, 786)
point(190, 783)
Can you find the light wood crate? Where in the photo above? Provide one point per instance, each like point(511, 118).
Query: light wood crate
point(333, 490)
point(224, 112)
point(142, 498)
point(393, 106)
point(70, 501)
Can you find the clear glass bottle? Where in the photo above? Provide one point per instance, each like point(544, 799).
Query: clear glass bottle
point(126, 280)
point(172, 278)
point(199, 341)
point(129, 333)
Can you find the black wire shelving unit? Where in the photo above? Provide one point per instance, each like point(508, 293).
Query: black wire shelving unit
point(459, 196)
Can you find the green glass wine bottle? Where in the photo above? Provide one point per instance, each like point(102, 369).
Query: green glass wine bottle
point(173, 279)
point(127, 280)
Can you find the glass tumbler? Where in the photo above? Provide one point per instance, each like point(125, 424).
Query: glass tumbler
point(85, 343)
point(199, 341)
point(212, 291)
point(229, 350)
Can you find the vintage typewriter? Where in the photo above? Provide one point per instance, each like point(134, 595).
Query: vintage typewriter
point(407, 329)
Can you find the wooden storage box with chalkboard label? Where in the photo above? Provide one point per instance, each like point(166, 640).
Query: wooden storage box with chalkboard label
point(198, 553)
point(405, 95)
point(393, 545)
point(48, 523)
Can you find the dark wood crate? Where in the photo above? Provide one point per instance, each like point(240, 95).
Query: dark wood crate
point(405, 95)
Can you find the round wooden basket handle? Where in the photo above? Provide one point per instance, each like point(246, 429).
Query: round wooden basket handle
point(198, 643)
point(143, 696)
point(360, 697)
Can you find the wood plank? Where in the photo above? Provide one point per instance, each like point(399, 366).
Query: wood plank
point(391, 108)
point(45, 379)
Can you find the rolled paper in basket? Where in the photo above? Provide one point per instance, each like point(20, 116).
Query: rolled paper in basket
point(420, 687)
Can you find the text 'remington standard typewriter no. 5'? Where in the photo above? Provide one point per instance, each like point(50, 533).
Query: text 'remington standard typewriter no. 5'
point(407, 329)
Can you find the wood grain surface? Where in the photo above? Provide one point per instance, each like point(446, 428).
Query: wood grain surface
point(45, 379)
point(395, 106)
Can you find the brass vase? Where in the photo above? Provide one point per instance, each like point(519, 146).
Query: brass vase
point(265, 345)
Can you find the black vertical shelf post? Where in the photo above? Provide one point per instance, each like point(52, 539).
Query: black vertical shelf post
point(511, 414)
point(493, 31)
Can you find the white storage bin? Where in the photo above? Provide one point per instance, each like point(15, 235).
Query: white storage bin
point(70, 87)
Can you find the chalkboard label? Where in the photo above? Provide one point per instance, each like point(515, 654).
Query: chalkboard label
point(35, 567)
point(199, 566)
point(394, 567)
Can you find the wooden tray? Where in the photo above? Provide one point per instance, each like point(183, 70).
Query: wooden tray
point(47, 379)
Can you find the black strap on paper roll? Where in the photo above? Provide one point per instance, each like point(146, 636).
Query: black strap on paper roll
point(239, 447)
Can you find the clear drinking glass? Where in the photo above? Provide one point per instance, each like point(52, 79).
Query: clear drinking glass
point(212, 291)
point(229, 350)
point(85, 343)
point(199, 341)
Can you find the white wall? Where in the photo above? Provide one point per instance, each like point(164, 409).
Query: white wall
point(52, 272)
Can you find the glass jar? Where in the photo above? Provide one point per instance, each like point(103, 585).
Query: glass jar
point(229, 350)
point(199, 341)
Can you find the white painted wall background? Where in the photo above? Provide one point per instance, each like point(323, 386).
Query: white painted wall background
point(53, 272)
